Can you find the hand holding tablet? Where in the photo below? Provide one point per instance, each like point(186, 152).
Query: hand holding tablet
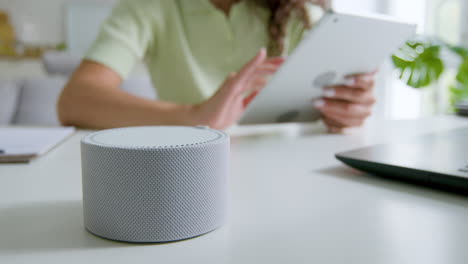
point(339, 46)
point(347, 105)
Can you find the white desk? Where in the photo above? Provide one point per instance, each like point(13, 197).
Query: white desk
point(292, 202)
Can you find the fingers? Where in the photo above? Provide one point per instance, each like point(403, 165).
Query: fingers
point(353, 95)
point(359, 90)
point(251, 66)
point(275, 60)
point(251, 78)
point(237, 91)
point(364, 74)
point(347, 105)
point(336, 130)
point(255, 85)
point(260, 77)
point(364, 81)
point(339, 115)
point(339, 121)
point(345, 109)
point(333, 126)
point(258, 67)
point(259, 83)
point(266, 69)
point(258, 80)
point(250, 98)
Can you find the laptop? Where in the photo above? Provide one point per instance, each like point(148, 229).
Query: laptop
point(434, 159)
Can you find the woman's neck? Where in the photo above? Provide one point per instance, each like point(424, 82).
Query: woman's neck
point(224, 5)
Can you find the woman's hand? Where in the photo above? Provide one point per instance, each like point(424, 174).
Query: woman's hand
point(229, 103)
point(346, 106)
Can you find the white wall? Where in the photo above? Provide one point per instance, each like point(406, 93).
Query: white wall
point(464, 23)
point(357, 6)
point(41, 21)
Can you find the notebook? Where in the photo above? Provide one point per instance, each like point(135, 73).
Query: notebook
point(25, 144)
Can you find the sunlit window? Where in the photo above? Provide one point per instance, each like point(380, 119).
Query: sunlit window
point(441, 18)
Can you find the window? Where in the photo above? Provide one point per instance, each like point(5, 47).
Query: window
point(405, 102)
point(443, 18)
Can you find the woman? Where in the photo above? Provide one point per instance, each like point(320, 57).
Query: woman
point(199, 55)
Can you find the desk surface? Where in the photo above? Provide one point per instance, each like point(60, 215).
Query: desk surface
point(292, 202)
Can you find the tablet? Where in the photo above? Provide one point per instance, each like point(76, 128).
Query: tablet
point(339, 45)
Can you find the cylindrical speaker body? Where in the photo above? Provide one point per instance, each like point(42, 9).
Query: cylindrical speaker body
point(154, 184)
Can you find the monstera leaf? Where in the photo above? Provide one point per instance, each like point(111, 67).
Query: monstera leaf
point(460, 92)
point(462, 75)
point(460, 51)
point(419, 63)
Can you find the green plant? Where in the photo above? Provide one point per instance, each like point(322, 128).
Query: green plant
point(61, 46)
point(460, 92)
point(420, 63)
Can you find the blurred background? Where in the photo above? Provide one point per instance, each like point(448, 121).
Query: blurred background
point(42, 42)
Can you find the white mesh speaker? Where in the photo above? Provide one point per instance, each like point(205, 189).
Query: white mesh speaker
point(154, 184)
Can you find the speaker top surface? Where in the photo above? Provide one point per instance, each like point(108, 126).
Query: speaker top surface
point(154, 137)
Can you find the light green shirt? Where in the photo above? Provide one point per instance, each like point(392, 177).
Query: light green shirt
point(189, 46)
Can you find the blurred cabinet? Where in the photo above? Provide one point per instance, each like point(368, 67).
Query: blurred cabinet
point(18, 69)
point(7, 36)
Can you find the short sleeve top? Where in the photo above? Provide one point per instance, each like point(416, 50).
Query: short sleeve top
point(188, 46)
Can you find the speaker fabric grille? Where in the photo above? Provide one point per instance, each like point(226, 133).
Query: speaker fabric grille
point(154, 194)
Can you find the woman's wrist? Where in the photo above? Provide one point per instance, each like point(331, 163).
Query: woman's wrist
point(201, 115)
point(189, 115)
point(197, 115)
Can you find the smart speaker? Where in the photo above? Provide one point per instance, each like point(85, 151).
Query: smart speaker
point(154, 184)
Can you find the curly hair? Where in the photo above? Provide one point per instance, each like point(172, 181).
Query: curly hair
point(281, 12)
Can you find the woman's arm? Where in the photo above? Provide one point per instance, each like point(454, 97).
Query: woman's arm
point(93, 99)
